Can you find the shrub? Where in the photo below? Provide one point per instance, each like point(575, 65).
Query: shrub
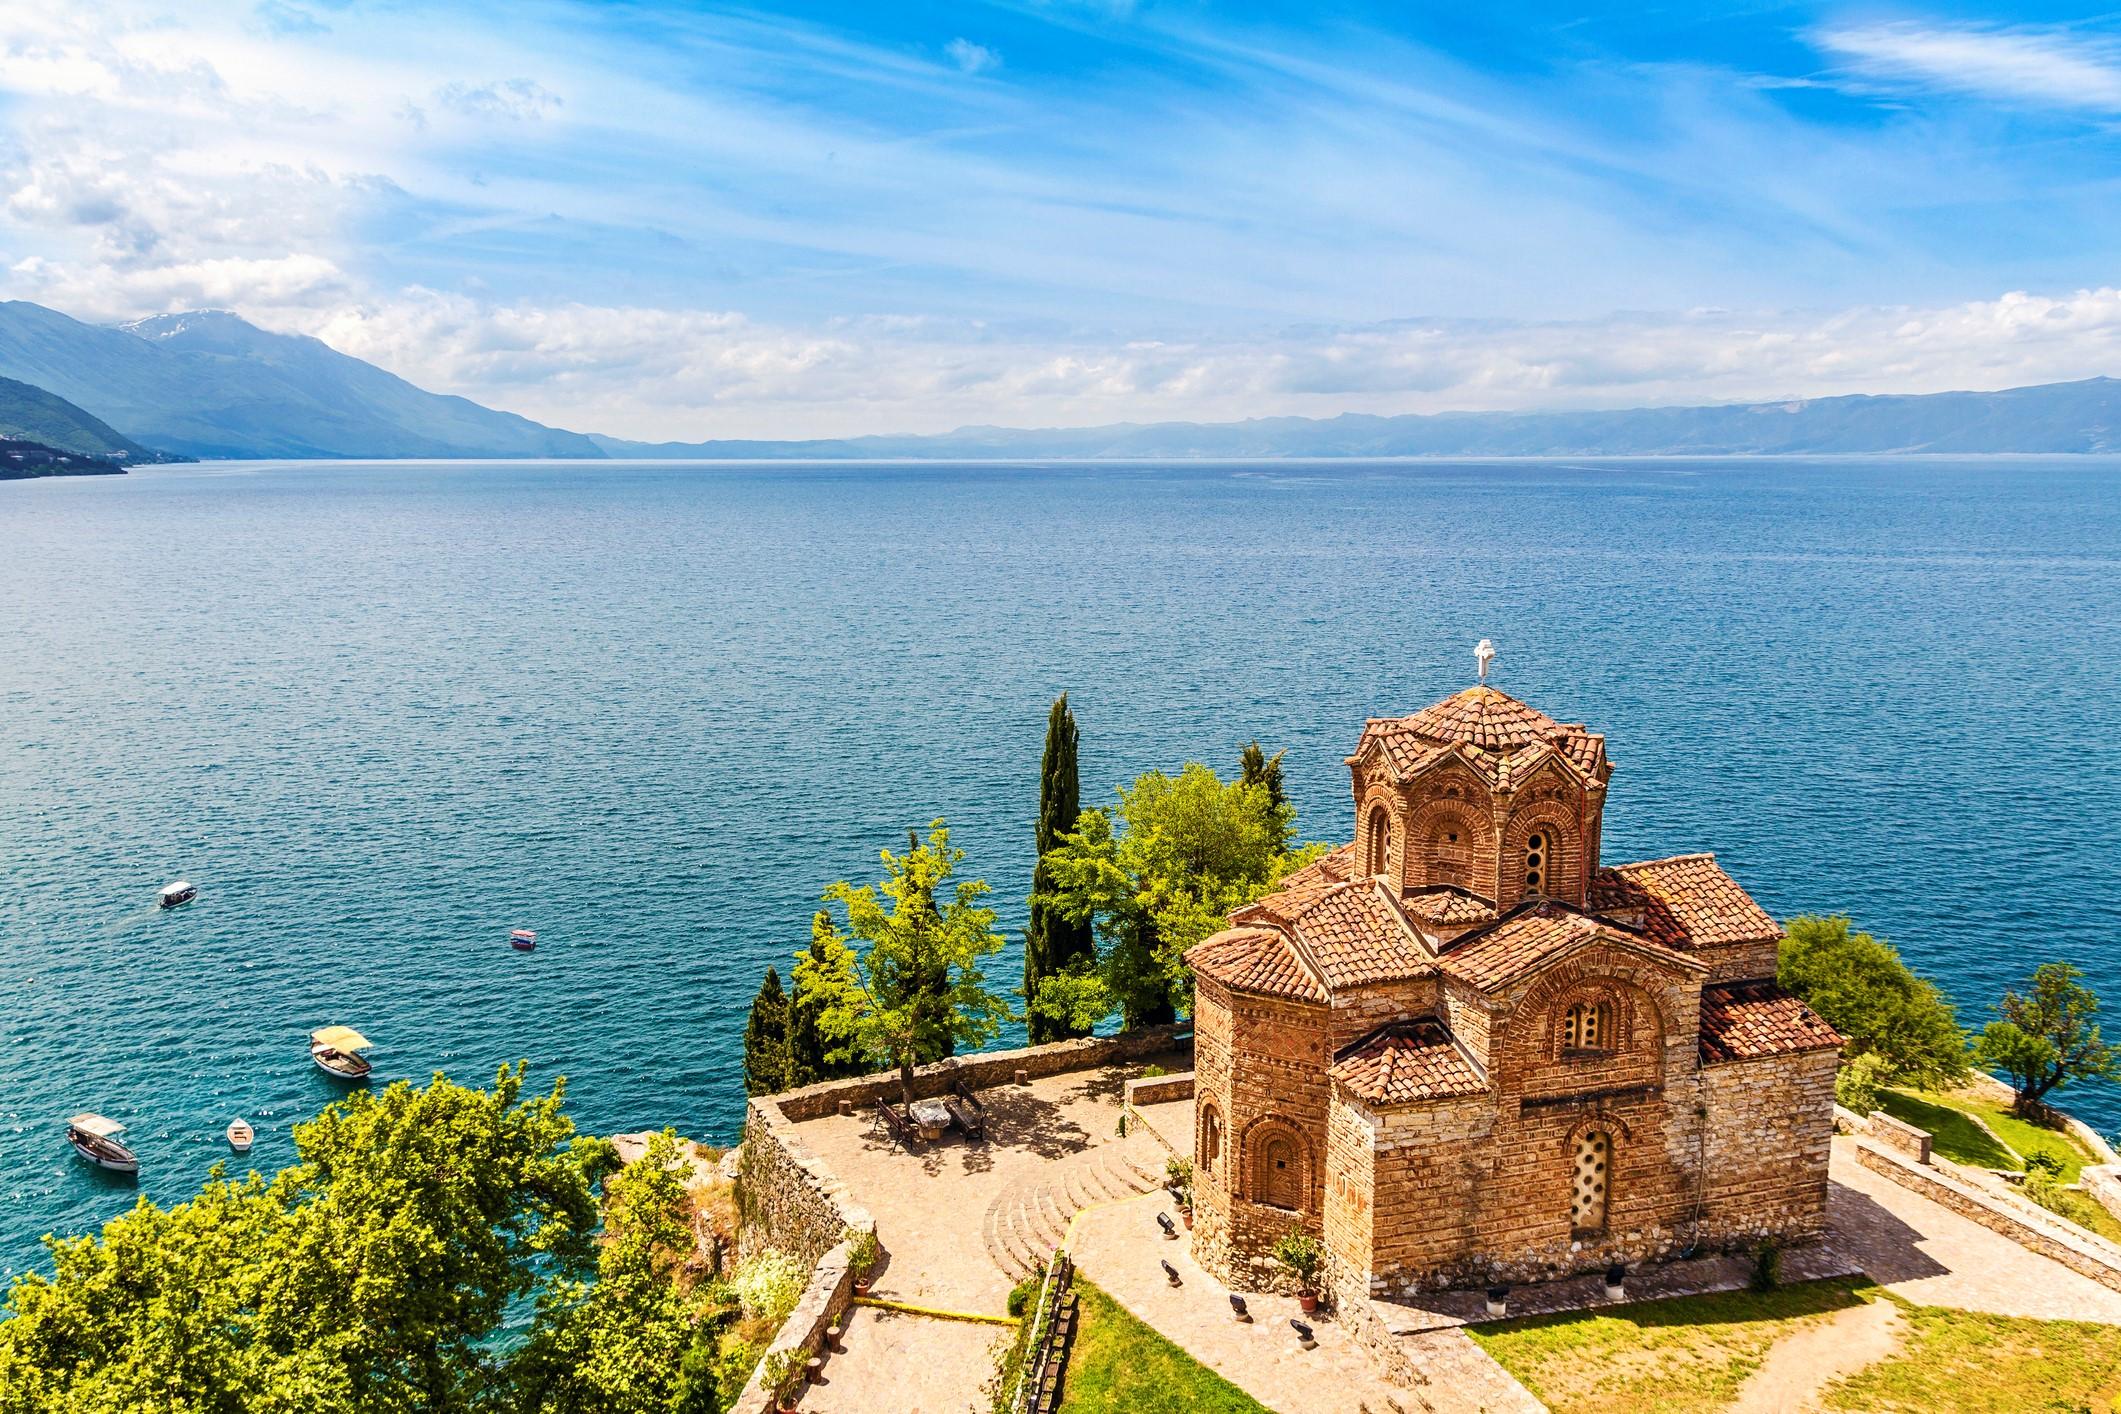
point(862, 1248)
point(1151, 1072)
point(1861, 987)
point(1024, 1293)
point(2039, 1162)
point(768, 1285)
point(1178, 1177)
point(1301, 1254)
point(1856, 1084)
point(2044, 1187)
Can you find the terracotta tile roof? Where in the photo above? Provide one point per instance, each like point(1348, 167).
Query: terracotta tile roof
point(1496, 734)
point(1517, 944)
point(1326, 869)
point(1407, 1062)
point(1255, 960)
point(1441, 903)
point(1350, 933)
point(1748, 1020)
point(1528, 936)
point(1687, 902)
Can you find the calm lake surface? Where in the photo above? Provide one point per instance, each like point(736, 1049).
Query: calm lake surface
point(382, 714)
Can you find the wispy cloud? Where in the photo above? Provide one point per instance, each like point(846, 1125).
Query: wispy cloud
point(518, 100)
point(2051, 67)
point(972, 58)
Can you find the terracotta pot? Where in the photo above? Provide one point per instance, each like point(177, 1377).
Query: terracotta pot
point(1308, 1300)
point(1187, 1215)
point(861, 1286)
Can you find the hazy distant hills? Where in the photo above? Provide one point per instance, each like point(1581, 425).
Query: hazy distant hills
point(34, 417)
point(211, 385)
point(2053, 417)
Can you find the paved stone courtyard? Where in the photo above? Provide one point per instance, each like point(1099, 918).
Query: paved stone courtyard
point(963, 1221)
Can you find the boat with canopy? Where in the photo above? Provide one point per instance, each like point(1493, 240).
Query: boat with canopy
point(337, 1052)
point(240, 1135)
point(96, 1139)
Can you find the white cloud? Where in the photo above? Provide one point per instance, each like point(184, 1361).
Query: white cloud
point(972, 58)
point(2048, 67)
point(517, 100)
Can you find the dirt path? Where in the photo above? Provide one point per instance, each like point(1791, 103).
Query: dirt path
point(1801, 1365)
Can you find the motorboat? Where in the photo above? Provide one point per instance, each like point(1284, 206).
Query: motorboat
point(182, 891)
point(241, 1135)
point(337, 1052)
point(523, 940)
point(96, 1139)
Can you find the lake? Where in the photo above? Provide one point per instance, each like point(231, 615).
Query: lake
point(383, 713)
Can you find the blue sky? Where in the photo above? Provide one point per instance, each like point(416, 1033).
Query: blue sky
point(691, 221)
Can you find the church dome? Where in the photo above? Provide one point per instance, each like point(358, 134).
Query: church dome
point(1483, 716)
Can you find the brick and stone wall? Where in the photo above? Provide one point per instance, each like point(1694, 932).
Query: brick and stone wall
point(1770, 1134)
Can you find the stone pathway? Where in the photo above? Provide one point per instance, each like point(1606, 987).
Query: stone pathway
point(1119, 1247)
point(1800, 1366)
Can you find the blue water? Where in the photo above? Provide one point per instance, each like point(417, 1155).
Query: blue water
point(382, 714)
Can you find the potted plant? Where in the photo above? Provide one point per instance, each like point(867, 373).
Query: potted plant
point(1615, 1281)
point(1302, 1255)
point(1178, 1174)
point(783, 1370)
point(1498, 1300)
point(862, 1252)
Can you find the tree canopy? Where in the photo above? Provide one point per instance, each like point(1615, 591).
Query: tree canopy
point(1182, 852)
point(374, 1273)
point(1861, 987)
point(2048, 1036)
point(766, 1039)
point(916, 991)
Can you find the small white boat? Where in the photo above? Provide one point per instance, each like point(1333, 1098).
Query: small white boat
point(240, 1135)
point(96, 1139)
point(182, 891)
point(337, 1052)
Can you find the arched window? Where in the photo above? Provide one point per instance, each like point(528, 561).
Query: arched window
point(1593, 1162)
point(1537, 857)
point(1380, 860)
point(1280, 1181)
point(1587, 1027)
point(1211, 1138)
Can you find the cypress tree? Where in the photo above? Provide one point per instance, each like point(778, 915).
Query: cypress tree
point(766, 1039)
point(1051, 940)
point(1260, 769)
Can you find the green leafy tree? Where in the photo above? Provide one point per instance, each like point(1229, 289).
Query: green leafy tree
point(1054, 941)
point(633, 1341)
point(2047, 1037)
point(1256, 768)
point(809, 1054)
point(374, 1273)
point(916, 990)
point(1861, 987)
point(766, 1068)
point(1186, 850)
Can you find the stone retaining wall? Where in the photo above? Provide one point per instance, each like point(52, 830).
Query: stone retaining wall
point(1159, 1089)
point(2087, 1256)
point(2102, 1184)
point(1898, 1135)
point(981, 1071)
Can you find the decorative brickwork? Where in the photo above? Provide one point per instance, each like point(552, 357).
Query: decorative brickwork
point(1462, 1052)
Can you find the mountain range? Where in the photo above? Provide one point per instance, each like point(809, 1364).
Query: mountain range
point(209, 384)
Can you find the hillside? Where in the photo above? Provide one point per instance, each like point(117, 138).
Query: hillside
point(33, 416)
point(22, 460)
point(212, 385)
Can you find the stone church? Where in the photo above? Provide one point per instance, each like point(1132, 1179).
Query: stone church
point(1462, 1050)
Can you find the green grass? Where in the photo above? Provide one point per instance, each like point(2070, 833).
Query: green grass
point(1956, 1137)
point(1690, 1355)
point(1687, 1355)
point(1120, 1366)
point(1973, 1363)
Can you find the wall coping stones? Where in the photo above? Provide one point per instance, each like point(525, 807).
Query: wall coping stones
point(1898, 1134)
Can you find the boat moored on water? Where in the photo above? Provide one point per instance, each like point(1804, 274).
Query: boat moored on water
point(337, 1052)
point(523, 940)
point(96, 1139)
point(182, 891)
point(240, 1135)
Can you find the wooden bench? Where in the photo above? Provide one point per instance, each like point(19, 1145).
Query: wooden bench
point(966, 1108)
point(901, 1128)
